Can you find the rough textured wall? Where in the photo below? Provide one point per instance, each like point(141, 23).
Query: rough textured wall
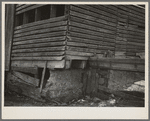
point(64, 85)
point(119, 80)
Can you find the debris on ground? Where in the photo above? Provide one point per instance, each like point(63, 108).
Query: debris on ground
point(137, 86)
point(14, 99)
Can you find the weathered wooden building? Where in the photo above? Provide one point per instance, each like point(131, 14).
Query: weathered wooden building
point(109, 37)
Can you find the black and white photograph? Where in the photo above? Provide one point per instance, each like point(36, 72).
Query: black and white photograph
point(60, 55)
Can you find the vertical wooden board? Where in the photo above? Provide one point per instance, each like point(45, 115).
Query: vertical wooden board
point(88, 89)
point(9, 25)
point(53, 11)
point(93, 79)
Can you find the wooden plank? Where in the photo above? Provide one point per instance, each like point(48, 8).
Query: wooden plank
point(89, 32)
point(134, 43)
point(39, 49)
point(125, 61)
point(91, 27)
point(57, 19)
point(75, 44)
point(93, 38)
point(43, 26)
point(50, 44)
point(39, 54)
point(29, 8)
point(26, 78)
point(136, 9)
point(96, 15)
point(18, 5)
point(31, 70)
point(92, 23)
point(40, 64)
point(53, 11)
point(103, 8)
point(89, 41)
point(8, 33)
point(39, 58)
point(43, 75)
point(120, 94)
point(52, 34)
point(95, 10)
point(89, 50)
point(135, 29)
point(85, 36)
point(69, 57)
point(25, 18)
point(91, 18)
point(23, 6)
point(116, 66)
point(37, 14)
point(42, 40)
point(133, 15)
point(126, 8)
point(74, 53)
point(55, 29)
point(16, 84)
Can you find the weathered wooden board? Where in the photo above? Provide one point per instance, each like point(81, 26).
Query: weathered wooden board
point(32, 70)
point(39, 54)
point(89, 32)
point(48, 44)
point(91, 27)
point(137, 9)
point(95, 10)
point(26, 78)
point(57, 19)
point(42, 40)
point(50, 64)
point(23, 6)
point(51, 58)
point(45, 30)
point(8, 33)
point(39, 49)
point(52, 34)
point(42, 26)
point(120, 94)
point(128, 61)
point(29, 8)
point(17, 85)
point(69, 57)
point(96, 15)
point(77, 44)
point(78, 53)
point(91, 18)
point(103, 8)
point(92, 23)
point(128, 9)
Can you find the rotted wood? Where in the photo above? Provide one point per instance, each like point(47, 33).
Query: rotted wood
point(43, 75)
point(119, 93)
point(15, 84)
point(32, 70)
point(90, 82)
point(26, 78)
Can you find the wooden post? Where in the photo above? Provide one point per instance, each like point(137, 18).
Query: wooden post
point(9, 25)
point(43, 75)
point(53, 11)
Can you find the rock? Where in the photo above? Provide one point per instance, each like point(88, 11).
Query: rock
point(95, 99)
point(142, 83)
point(102, 104)
point(111, 101)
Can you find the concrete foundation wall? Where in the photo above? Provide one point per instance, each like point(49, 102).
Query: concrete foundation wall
point(63, 85)
point(119, 80)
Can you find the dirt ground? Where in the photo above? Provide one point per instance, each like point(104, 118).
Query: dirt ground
point(14, 99)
